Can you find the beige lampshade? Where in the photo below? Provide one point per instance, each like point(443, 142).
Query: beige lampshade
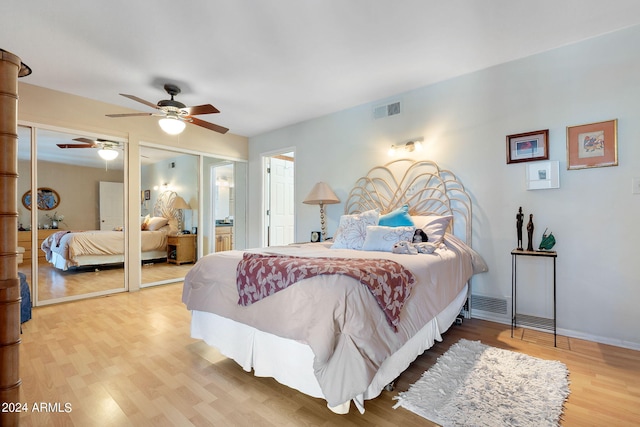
point(321, 193)
point(179, 203)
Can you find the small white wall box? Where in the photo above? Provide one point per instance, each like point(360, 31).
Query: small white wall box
point(543, 175)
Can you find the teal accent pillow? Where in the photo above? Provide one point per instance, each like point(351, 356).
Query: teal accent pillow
point(398, 218)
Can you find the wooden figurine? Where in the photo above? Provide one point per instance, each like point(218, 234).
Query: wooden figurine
point(519, 222)
point(530, 233)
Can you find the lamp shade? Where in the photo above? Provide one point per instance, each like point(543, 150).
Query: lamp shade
point(171, 125)
point(320, 194)
point(180, 203)
point(107, 153)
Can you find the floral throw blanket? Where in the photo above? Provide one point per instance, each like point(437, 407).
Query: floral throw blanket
point(260, 275)
point(52, 241)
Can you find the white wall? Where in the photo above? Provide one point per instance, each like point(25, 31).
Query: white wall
point(464, 121)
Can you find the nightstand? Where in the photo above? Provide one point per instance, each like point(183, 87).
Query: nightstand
point(181, 249)
point(527, 320)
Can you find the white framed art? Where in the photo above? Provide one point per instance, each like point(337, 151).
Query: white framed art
point(543, 175)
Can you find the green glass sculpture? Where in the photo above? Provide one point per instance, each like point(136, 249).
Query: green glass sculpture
point(548, 241)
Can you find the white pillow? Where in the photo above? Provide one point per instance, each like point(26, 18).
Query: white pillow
point(434, 225)
point(352, 229)
point(156, 223)
point(478, 263)
point(382, 238)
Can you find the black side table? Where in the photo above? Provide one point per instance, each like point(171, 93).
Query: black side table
point(523, 319)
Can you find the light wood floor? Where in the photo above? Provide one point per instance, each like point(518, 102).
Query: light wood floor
point(128, 360)
point(54, 283)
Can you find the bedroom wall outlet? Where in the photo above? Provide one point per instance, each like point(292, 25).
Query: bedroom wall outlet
point(636, 186)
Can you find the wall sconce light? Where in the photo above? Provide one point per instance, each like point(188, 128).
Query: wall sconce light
point(409, 147)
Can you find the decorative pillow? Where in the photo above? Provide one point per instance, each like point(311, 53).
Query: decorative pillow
point(352, 229)
point(144, 222)
point(382, 238)
point(434, 225)
point(398, 218)
point(156, 223)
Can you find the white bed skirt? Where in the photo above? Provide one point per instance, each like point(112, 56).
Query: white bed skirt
point(291, 362)
point(58, 261)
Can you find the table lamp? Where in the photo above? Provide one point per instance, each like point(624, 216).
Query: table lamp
point(321, 194)
point(180, 204)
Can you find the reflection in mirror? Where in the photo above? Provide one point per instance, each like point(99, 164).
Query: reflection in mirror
point(25, 249)
point(224, 206)
point(46, 198)
point(224, 210)
point(69, 240)
point(178, 176)
point(169, 211)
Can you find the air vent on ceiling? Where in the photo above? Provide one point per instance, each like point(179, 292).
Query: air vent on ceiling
point(386, 110)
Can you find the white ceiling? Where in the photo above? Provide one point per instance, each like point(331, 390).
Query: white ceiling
point(269, 63)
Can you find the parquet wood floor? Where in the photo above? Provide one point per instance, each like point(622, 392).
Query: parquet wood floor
point(128, 360)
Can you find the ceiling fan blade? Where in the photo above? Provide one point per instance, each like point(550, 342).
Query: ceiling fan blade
point(129, 114)
point(86, 141)
point(75, 146)
point(200, 109)
point(208, 125)
point(140, 100)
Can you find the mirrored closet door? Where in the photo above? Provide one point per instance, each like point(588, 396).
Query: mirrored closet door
point(169, 203)
point(195, 200)
point(73, 217)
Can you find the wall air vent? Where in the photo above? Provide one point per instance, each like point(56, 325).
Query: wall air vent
point(386, 110)
point(490, 308)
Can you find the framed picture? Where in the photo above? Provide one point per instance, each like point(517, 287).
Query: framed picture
point(543, 175)
point(46, 198)
point(594, 145)
point(527, 147)
point(147, 194)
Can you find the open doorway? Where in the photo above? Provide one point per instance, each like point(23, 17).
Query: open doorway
point(279, 191)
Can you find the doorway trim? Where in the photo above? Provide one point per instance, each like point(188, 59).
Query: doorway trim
point(265, 195)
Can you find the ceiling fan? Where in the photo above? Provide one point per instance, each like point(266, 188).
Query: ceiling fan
point(106, 149)
point(174, 113)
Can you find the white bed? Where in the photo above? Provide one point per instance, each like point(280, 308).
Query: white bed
point(68, 249)
point(326, 336)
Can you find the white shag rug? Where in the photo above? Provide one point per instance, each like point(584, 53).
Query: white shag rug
point(473, 384)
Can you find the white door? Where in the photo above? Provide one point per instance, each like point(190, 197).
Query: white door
point(111, 205)
point(281, 212)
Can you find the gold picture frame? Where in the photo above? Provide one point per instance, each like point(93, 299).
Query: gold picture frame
point(47, 199)
point(593, 145)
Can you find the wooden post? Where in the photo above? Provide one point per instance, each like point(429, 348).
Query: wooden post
point(10, 69)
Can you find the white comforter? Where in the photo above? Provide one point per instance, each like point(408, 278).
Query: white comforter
point(335, 315)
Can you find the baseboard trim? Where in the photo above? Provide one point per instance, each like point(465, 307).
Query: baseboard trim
point(567, 333)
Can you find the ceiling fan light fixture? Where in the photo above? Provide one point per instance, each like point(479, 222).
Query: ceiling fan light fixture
point(107, 153)
point(171, 125)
